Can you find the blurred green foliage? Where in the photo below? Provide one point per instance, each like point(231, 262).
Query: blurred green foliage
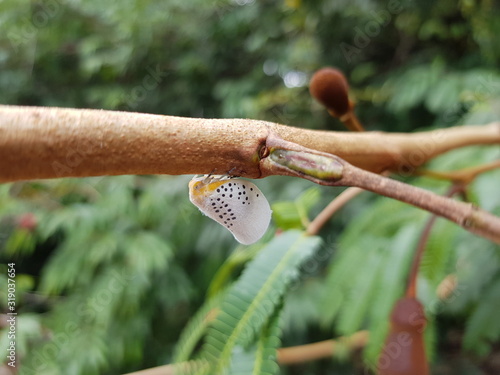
point(111, 270)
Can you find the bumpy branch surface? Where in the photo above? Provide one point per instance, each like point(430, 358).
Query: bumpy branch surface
point(38, 142)
point(290, 159)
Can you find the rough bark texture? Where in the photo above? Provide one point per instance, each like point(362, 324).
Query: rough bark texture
point(38, 142)
point(53, 142)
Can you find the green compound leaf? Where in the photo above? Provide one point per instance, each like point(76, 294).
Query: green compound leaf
point(252, 299)
point(483, 327)
point(195, 329)
point(294, 214)
point(261, 359)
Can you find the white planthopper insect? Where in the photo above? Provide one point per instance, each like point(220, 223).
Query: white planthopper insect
point(237, 204)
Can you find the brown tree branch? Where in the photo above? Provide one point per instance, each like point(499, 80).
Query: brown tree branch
point(290, 355)
point(411, 289)
point(290, 159)
point(463, 176)
point(323, 349)
point(466, 215)
point(336, 204)
point(38, 142)
point(55, 142)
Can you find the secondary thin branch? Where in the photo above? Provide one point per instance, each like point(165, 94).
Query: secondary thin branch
point(290, 355)
point(287, 158)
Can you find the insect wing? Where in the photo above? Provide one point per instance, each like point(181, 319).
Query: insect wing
point(237, 204)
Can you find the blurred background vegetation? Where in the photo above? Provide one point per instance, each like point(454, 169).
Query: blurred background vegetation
point(111, 269)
